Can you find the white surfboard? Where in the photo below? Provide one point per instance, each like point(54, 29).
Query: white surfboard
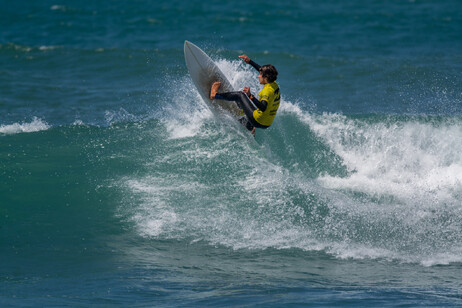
point(204, 72)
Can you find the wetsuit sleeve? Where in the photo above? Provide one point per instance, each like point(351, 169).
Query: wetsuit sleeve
point(263, 103)
point(255, 65)
point(260, 104)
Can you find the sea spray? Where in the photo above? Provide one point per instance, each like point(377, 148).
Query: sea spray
point(24, 127)
point(389, 187)
point(136, 194)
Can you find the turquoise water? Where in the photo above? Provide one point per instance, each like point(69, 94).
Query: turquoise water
point(119, 187)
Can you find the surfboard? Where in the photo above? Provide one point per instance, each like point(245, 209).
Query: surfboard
point(204, 72)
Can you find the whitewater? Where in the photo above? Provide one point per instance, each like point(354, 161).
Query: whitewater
point(119, 187)
point(380, 187)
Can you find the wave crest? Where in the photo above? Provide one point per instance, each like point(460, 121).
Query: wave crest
point(34, 126)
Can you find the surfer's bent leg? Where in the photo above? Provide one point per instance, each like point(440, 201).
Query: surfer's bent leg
point(244, 103)
point(246, 123)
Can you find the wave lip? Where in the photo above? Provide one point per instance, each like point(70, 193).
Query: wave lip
point(35, 125)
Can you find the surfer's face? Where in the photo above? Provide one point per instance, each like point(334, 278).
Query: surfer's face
point(262, 79)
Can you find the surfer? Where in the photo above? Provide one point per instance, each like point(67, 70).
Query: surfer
point(260, 112)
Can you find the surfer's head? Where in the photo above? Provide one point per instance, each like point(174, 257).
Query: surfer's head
point(269, 72)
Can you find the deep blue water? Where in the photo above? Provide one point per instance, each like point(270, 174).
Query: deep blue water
point(119, 187)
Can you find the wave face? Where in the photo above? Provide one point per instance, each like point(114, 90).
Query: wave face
point(369, 186)
point(380, 187)
point(361, 188)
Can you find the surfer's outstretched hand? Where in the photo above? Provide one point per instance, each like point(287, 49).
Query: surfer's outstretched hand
point(245, 58)
point(246, 90)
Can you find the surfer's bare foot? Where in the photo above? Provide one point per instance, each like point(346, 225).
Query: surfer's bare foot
point(214, 89)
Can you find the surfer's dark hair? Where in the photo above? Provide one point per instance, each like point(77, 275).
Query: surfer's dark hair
point(269, 71)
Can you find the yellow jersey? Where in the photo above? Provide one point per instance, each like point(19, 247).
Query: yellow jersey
point(270, 94)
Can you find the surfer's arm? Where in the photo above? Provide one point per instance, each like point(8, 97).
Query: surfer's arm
point(260, 104)
point(255, 65)
point(251, 62)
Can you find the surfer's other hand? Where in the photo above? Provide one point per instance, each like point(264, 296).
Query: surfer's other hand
point(246, 90)
point(245, 58)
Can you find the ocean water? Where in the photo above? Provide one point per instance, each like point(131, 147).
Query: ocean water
point(119, 187)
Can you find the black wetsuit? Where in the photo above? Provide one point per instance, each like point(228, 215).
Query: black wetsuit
point(247, 104)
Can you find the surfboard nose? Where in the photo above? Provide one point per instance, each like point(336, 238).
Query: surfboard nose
point(187, 45)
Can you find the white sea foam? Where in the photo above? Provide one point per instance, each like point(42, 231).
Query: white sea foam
point(184, 127)
point(34, 126)
point(120, 115)
point(406, 160)
point(79, 122)
point(155, 213)
point(412, 167)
